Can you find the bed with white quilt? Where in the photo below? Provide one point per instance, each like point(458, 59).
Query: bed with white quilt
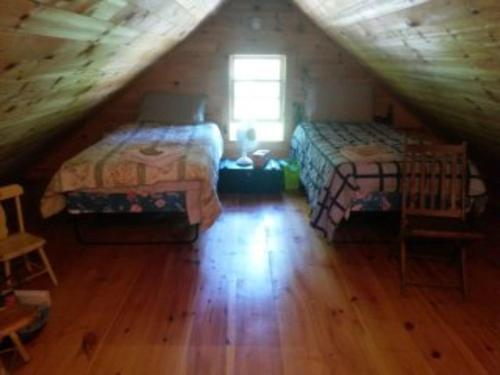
point(161, 163)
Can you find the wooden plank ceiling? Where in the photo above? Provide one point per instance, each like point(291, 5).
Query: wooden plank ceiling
point(58, 58)
point(442, 56)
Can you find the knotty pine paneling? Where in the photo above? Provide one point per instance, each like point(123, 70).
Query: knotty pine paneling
point(441, 56)
point(200, 65)
point(60, 58)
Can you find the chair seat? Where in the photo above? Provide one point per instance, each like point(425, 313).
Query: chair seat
point(13, 319)
point(19, 244)
point(446, 228)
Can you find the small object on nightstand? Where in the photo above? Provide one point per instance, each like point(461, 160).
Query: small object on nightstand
point(247, 141)
point(260, 158)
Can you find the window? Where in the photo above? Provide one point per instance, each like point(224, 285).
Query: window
point(257, 95)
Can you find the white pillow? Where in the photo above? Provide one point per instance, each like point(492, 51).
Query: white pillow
point(172, 109)
point(349, 101)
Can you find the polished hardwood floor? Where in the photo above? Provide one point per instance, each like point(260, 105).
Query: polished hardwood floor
point(261, 293)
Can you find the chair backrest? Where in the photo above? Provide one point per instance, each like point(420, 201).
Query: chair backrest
point(14, 192)
point(433, 180)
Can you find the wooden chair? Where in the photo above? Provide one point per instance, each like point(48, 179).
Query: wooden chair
point(21, 243)
point(434, 183)
point(14, 319)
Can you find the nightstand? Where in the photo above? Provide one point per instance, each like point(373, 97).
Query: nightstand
point(236, 179)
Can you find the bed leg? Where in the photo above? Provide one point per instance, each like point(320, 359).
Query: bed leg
point(196, 234)
point(76, 229)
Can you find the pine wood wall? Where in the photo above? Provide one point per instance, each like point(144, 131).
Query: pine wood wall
point(200, 65)
point(442, 56)
point(58, 58)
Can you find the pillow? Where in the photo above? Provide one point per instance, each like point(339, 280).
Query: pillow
point(350, 101)
point(172, 109)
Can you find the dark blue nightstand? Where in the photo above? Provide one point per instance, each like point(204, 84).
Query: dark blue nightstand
point(236, 179)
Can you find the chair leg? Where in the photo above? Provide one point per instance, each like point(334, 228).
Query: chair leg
point(463, 270)
point(402, 260)
point(8, 279)
point(19, 346)
point(27, 263)
point(3, 370)
point(47, 265)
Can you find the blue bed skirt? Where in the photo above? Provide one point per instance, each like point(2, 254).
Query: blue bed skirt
point(85, 202)
point(378, 201)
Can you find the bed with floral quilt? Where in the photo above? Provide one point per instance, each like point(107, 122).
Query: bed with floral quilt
point(143, 167)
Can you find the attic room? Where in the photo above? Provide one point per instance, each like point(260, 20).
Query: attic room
point(242, 186)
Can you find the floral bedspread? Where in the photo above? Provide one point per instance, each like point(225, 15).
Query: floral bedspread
point(81, 202)
point(336, 186)
point(110, 166)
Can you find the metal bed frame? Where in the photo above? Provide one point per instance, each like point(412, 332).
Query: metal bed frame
point(85, 240)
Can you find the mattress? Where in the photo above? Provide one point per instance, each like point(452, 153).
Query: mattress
point(146, 158)
point(336, 185)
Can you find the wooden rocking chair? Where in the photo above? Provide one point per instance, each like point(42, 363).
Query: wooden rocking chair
point(434, 183)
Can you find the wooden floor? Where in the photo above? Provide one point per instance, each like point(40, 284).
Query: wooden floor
point(261, 293)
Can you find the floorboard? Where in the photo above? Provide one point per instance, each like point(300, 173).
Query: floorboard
point(260, 293)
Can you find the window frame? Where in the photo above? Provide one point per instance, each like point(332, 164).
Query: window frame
point(282, 94)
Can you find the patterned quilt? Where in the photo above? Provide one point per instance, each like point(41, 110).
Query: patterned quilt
point(336, 186)
point(112, 165)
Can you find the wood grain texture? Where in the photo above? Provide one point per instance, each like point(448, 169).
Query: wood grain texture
point(260, 293)
point(200, 65)
point(60, 58)
point(441, 56)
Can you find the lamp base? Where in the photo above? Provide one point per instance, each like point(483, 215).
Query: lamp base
point(244, 161)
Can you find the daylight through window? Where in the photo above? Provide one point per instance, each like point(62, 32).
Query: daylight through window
point(257, 95)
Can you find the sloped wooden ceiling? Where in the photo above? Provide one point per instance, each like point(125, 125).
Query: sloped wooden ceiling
point(443, 56)
point(58, 58)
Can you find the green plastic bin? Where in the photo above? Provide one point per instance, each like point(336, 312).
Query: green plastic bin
point(291, 171)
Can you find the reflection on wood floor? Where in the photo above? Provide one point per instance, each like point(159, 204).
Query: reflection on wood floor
point(261, 293)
